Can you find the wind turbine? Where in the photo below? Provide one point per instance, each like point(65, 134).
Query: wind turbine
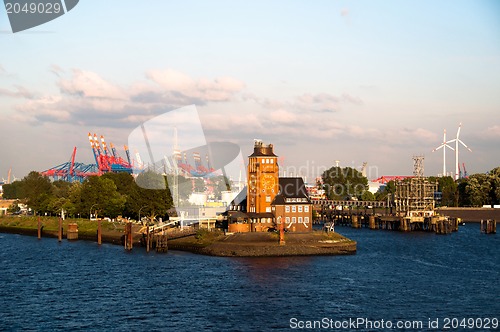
point(443, 146)
point(457, 140)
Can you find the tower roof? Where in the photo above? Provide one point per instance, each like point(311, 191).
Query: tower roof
point(291, 191)
point(262, 150)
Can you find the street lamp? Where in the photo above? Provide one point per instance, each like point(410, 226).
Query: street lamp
point(91, 210)
point(140, 212)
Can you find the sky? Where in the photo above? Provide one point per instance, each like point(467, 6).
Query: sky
point(354, 81)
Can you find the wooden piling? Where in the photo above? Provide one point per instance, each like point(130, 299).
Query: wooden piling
point(60, 230)
point(354, 221)
point(489, 226)
point(371, 222)
point(72, 233)
point(147, 239)
point(39, 228)
point(128, 236)
point(161, 243)
point(99, 232)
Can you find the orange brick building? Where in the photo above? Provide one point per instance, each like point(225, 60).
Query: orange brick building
point(268, 199)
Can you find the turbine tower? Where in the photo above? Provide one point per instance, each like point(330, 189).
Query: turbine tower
point(443, 146)
point(457, 140)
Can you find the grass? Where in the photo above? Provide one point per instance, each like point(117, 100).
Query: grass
point(85, 226)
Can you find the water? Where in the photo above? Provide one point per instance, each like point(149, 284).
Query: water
point(46, 285)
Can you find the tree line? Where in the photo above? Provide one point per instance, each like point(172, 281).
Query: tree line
point(109, 195)
point(474, 191)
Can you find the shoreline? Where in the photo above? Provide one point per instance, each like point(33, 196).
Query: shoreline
point(315, 243)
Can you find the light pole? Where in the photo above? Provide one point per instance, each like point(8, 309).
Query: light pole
point(140, 212)
point(91, 210)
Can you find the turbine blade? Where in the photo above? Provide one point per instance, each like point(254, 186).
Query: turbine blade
point(465, 145)
point(458, 131)
point(439, 147)
point(449, 147)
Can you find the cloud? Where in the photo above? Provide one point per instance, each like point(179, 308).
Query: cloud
point(90, 85)
point(56, 70)
point(321, 102)
point(344, 12)
point(20, 92)
point(493, 131)
point(179, 86)
point(86, 98)
point(2, 70)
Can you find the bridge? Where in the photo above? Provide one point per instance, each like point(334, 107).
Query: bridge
point(368, 204)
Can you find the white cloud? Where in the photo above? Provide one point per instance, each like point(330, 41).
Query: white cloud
point(20, 92)
point(181, 86)
point(86, 98)
point(493, 131)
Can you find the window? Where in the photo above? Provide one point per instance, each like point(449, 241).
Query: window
point(272, 161)
point(306, 220)
point(294, 208)
point(268, 199)
point(300, 220)
point(306, 208)
point(268, 209)
point(300, 208)
point(287, 208)
point(294, 220)
point(287, 220)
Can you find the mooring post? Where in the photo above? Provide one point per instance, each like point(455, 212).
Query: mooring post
point(147, 239)
point(99, 232)
point(39, 228)
point(354, 221)
point(59, 233)
point(371, 221)
point(128, 236)
point(282, 231)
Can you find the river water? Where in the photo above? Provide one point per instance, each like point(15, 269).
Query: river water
point(395, 278)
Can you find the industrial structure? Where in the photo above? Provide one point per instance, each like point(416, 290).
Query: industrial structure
point(108, 160)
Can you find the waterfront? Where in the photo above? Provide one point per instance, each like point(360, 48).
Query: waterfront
point(394, 276)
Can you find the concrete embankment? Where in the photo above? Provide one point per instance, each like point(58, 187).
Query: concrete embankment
point(266, 245)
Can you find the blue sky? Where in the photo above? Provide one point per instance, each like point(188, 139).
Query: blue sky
point(354, 81)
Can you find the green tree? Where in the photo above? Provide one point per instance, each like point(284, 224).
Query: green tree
point(478, 189)
point(153, 202)
point(14, 190)
point(367, 196)
point(385, 191)
point(494, 175)
point(449, 189)
point(101, 194)
point(342, 183)
point(125, 185)
point(38, 192)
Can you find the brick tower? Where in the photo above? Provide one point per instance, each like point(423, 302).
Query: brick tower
point(263, 181)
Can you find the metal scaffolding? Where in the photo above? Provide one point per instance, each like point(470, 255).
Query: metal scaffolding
point(414, 197)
